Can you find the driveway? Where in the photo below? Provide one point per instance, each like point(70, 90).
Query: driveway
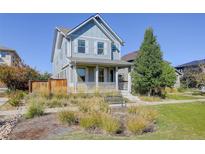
point(3, 100)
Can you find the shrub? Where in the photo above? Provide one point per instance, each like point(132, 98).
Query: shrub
point(109, 124)
point(136, 124)
point(69, 117)
point(16, 77)
point(90, 121)
point(34, 109)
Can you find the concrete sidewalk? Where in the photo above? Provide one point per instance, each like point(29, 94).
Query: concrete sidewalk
point(159, 103)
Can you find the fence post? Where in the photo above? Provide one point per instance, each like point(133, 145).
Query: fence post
point(49, 86)
point(30, 86)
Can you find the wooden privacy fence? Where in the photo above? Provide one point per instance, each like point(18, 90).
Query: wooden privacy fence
point(54, 86)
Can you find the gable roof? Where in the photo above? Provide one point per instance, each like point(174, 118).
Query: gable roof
point(192, 63)
point(94, 18)
point(130, 56)
point(64, 30)
point(106, 29)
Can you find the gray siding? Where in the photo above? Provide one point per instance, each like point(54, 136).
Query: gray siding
point(92, 34)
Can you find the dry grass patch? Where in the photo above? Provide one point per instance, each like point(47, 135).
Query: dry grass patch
point(68, 117)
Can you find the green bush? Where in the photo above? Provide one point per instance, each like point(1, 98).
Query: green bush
point(136, 124)
point(34, 109)
point(109, 124)
point(68, 117)
point(90, 121)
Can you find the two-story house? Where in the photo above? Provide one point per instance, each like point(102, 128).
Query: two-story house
point(9, 56)
point(88, 56)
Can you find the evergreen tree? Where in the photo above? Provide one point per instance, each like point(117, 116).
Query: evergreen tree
point(168, 77)
point(148, 66)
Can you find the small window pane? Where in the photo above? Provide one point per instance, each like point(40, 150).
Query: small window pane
point(81, 46)
point(100, 48)
point(113, 48)
point(81, 74)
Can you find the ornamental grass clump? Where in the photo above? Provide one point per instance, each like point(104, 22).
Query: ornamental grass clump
point(90, 121)
point(93, 104)
point(15, 97)
point(148, 114)
point(109, 124)
point(68, 117)
point(136, 124)
point(35, 109)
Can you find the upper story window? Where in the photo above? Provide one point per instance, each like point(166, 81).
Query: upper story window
point(3, 54)
point(81, 46)
point(100, 48)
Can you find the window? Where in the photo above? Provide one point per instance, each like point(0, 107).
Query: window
point(111, 75)
point(101, 75)
point(81, 74)
point(113, 48)
point(100, 48)
point(3, 54)
point(81, 46)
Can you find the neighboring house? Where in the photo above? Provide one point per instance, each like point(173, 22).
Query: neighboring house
point(194, 65)
point(9, 56)
point(88, 56)
point(130, 57)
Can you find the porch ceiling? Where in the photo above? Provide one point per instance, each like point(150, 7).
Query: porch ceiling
point(104, 62)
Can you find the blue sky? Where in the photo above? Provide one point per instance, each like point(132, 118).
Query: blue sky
point(181, 36)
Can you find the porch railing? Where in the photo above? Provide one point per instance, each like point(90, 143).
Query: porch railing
point(91, 86)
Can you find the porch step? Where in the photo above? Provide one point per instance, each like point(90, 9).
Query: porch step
point(129, 96)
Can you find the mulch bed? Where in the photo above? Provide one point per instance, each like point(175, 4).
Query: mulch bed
point(42, 127)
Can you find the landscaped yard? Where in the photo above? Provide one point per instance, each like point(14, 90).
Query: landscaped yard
point(176, 121)
point(94, 119)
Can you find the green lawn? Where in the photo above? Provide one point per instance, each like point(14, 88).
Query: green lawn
point(176, 121)
point(182, 97)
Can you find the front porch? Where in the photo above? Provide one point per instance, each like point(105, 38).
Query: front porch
point(97, 77)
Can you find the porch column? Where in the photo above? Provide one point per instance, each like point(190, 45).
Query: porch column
point(129, 84)
point(75, 78)
point(116, 77)
point(96, 75)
